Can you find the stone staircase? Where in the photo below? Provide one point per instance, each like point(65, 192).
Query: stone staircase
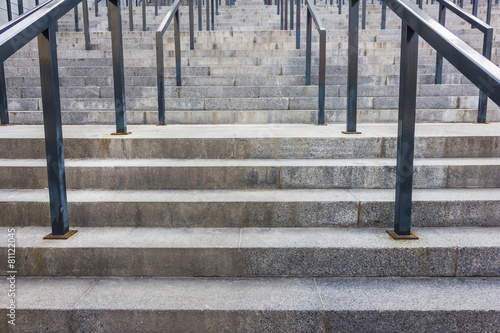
point(241, 215)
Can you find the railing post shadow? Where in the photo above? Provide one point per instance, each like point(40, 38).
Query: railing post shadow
point(406, 133)
point(4, 108)
point(352, 68)
point(51, 102)
point(118, 67)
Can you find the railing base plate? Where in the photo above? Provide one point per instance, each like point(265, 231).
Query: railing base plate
point(398, 237)
point(345, 132)
point(482, 123)
point(126, 133)
point(65, 236)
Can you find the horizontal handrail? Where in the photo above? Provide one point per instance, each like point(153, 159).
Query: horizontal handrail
point(466, 16)
point(162, 28)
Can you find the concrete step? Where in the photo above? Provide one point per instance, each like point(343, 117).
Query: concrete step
point(156, 174)
point(254, 305)
point(258, 252)
point(241, 142)
point(254, 208)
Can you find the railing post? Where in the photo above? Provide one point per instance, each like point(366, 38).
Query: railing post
point(156, 7)
point(438, 79)
point(85, 9)
point(177, 37)
point(118, 71)
point(96, 8)
point(160, 78)
point(483, 98)
point(281, 15)
point(286, 15)
point(384, 11)
point(363, 15)
point(474, 7)
point(308, 46)
point(75, 10)
point(130, 16)
point(4, 109)
point(208, 14)
point(291, 14)
point(352, 67)
point(191, 25)
point(322, 74)
point(216, 7)
point(200, 16)
point(297, 31)
point(212, 16)
point(406, 132)
point(9, 11)
point(340, 7)
point(488, 12)
point(143, 15)
point(20, 7)
point(49, 79)
point(277, 7)
point(109, 16)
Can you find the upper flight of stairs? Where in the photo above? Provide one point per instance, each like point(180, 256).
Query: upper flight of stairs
point(241, 215)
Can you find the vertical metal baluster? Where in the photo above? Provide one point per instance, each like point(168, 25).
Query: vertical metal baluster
point(282, 13)
point(144, 15)
point(177, 36)
point(191, 24)
point(420, 3)
point(297, 31)
point(483, 98)
point(4, 109)
point(75, 11)
point(212, 16)
point(9, 11)
point(156, 7)
point(308, 46)
point(363, 15)
point(286, 15)
point(216, 7)
point(474, 7)
point(160, 78)
point(200, 16)
point(109, 16)
point(51, 101)
point(291, 14)
point(85, 9)
point(322, 74)
point(118, 70)
point(384, 14)
point(130, 16)
point(20, 7)
point(406, 131)
point(352, 68)
point(439, 58)
point(277, 7)
point(208, 14)
point(488, 12)
point(340, 7)
point(96, 8)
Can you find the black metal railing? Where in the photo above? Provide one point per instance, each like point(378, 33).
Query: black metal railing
point(172, 14)
point(42, 24)
point(486, 29)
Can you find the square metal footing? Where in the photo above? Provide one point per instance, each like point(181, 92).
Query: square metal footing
point(398, 237)
point(126, 133)
point(65, 236)
point(345, 132)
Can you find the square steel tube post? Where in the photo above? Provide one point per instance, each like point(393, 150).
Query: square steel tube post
point(406, 130)
point(322, 74)
point(212, 15)
point(340, 7)
point(216, 7)
point(130, 16)
point(118, 67)
point(308, 47)
point(352, 67)
point(156, 7)
point(85, 9)
point(177, 37)
point(488, 12)
point(109, 16)
point(200, 16)
point(4, 109)
point(191, 24)
point(75, 10)
point(160, 78)
point(143, 15)
point(54, 150)
point(291, 14)
point(363, 15)
point(208, 14)
point(438, 79)
point(297, 30)
point(9, 11)
point(277, 7)
point(286, 15)
point(384, 14)
point(281, 15)
point(483, 98)
point(474, 7)
point(20, 7)
point(96, 8)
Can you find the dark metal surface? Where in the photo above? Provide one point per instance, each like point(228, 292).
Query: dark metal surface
point(200, 16)
point(20, 7)
point(130, 16)
point(156, 7)
point(54, 149)
point(352, 66)
point(114, 8)
point(75, 11)
point(291, 13)
point(191, 24)
point(143, 15)
point(363, 15)
point(308, 45)
point(208, 14)
point(297, 31)
point(438, 79)
point(85, 9)
point(281, 15)
point(212, 16)
point(384, 14)
point(406, 129)
point(488, 11)
point(285, 14)
point(9, 11)
point(177, 38)
point(4, 108)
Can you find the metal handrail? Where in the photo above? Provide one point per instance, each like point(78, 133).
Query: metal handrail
point(42, 24)
point(312, 15)
point(477, 68)
point(486, 29)
point(172, 14)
